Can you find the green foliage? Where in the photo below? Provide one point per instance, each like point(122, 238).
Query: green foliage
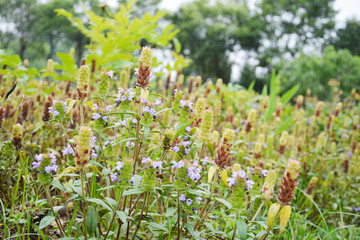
point(314, 72)
point(348, 37)
point(115, 38)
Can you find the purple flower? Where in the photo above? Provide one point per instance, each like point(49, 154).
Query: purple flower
point(53, 158)
point(96, 115)
point(186, 151)
point(264, 172)
point(189, 201)
point(182, 198)
point(114, 177)
point(108, 108)
point(231, 181)
point(186, 143)
point(158, 102)
point(68, 150)
point(36, 164)
point(175, 149)
point(92, 141)
point(39, 157)
point(105, 118)
point(93, 154)
point(177, 164)
point(119, 165)
point(198, 199)
point(143, 100)
point(145, 160)
point(157, 164)
point(188, 128)
point(110, 73)
point(152, 75)
point(239, 174)
point(249, 184)
point(96, 108)
point(182, 103)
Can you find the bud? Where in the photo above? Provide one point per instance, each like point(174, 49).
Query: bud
point(44, 177)
point(318, 108)
point(299, 101)
point(251, 116)
point(284, 138)
point(236, 167)
point(215, 138)
point(168, 138)
point(223, 156)
point(206, 126)
point(311, 185)
point(198, 81)
point(181, 80)
point(103, 86)
point(200, 107)
point(338, 109)
point(355, 122)
point(126, 173)
point(269, 184)
point(178, 96)
point(143, 74)
point(288, 183)
point(149, 177)
point(18, 132)
point(2, 114)
point(219, 83)
point(278, 109)
point(83, 146)
point(26, 63)
point(257, 150)
point(346, 122)
point(83, 82)
point(50, 66)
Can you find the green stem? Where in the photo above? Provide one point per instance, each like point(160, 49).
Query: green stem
point(114, 214)
point(234, 233)
point(81, 112)
point(141, 214)
point(207, 200)
point(58, 223)
point(84, 205)
point(178, 206)
point(257, 212)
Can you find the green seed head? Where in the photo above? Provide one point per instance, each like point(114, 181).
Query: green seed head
point(146, 57)
point(83, 81)
point(50, 65)
point(252, 116)
point(269, 184)
point(103, 86)
point(206, 126)
point(292, 168)
point(83, 146)
point(18, 131)
point(284, 138)
point(228, 136)
point(200, 107)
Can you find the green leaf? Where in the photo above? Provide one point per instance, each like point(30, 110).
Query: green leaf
point(190, 228)
point(122, 215)
point(46, 221)
point(91, 220)
point(177, 45)
point(251, 86)
point(170, 212)
point(99, 202)
point(289, 94)
point(133, 192)
point(241, 228)
point(158, 226)
point(226, 203)
point(209, 226)
point(57, 208)
point(66, 171)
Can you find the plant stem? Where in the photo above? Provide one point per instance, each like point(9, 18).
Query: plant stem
point(178, 206)
point(207, 200)
point(81, 112)
point(84, 204)
point(201, 153)
point(234, 233)
point(114, 214)
point(141, 214)
point(58, 223)
point(257, 212)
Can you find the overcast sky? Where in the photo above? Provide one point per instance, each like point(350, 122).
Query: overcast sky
point(346, 8)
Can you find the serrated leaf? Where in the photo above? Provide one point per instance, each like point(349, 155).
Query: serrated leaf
point(211, 173)
point(284, 217)
point(272, 214)
point(91, 220)
point(224, 176)
point(46, 221)
point(241, 228)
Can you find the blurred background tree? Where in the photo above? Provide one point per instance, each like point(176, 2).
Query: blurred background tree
point(231, 39)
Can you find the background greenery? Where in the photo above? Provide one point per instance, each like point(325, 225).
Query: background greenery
point(273, 35)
